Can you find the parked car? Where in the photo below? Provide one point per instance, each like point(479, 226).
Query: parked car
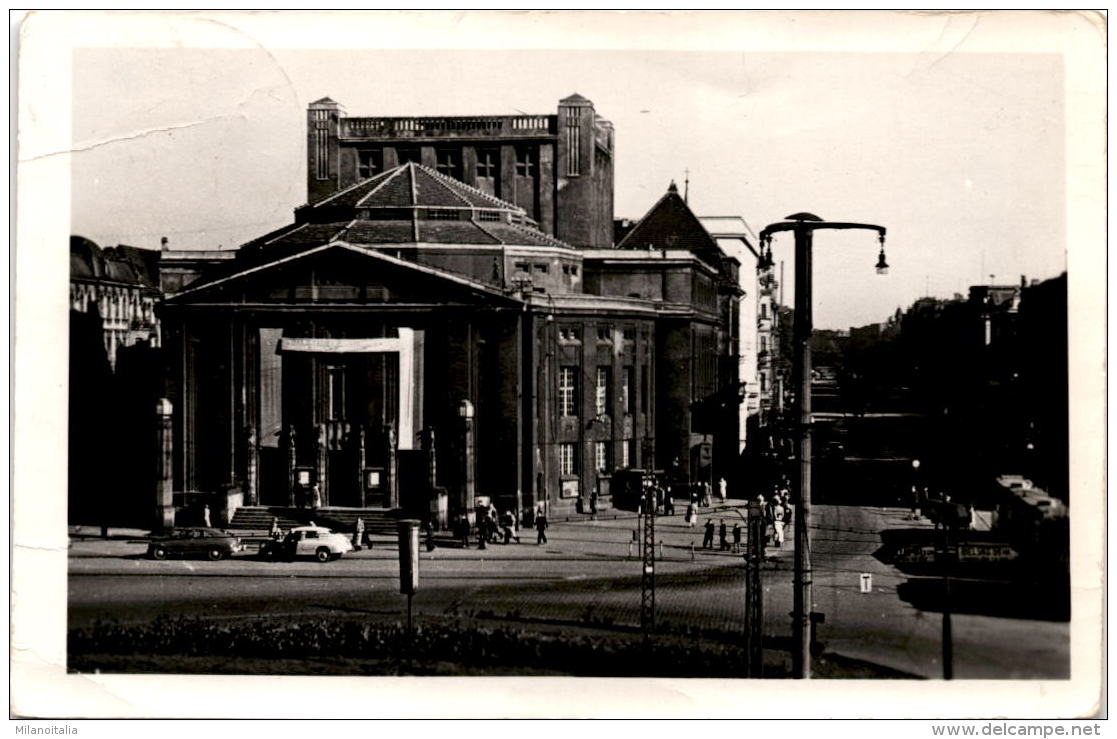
point(214, 544)
point(308, 541)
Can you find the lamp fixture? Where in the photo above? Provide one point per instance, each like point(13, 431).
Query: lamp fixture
point(882, 265)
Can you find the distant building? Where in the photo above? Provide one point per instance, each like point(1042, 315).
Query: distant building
point(115, 375)
point(736, 238)
point(119, 285)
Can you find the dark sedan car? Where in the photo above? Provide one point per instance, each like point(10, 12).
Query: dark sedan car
point(213, 544)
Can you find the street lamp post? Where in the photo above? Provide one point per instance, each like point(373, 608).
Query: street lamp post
point(803, 225)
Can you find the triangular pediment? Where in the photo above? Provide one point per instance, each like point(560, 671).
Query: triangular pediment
point(340, 274)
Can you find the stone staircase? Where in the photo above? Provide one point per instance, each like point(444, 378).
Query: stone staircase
point(257, 519)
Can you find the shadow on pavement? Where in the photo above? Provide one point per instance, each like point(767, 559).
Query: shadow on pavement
point(985, 598)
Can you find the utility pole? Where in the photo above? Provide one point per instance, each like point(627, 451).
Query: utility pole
point(803, 225)
point(754, 591)
point(647, 573)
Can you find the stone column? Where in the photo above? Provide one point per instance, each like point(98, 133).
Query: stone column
point(393, 481)
point(164, 465)
point(465, 411)
point(321, 455)
point(292, 460)
point(361, 456)
point(427, 443)
point(251, 466)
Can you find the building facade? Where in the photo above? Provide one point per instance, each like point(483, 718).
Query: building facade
point(412, 340)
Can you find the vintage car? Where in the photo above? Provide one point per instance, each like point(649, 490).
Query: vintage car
point(308, 541)
point(195, 541)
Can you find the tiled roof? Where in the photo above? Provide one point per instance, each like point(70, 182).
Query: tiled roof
point(453, 232)
point(575, 98)
point(394, 207)
point(380, 232)
point(128, 265)
point(671, 224)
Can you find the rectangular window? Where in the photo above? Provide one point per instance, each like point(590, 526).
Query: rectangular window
point(488, 215)
point(630, 334)
point(604, 334)
point(449, 162)
point(570, 334)
point(602, 459)
point(522, 267)
point(644, 388)
point(525, 162)
point(601, 397)
point(573, 143)
point(541, 269)
point(626, 453)
point(442, 214)
point(369, 162)
point(628, 398)
point(568, 459)
point(568, 390)
point(336, 379)
point(488, 170)
point(322, 144)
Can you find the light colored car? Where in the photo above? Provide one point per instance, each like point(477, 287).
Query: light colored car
point(308, 541)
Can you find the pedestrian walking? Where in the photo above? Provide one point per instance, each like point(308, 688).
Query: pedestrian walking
point(541, 527)
point(668, 504)
point(723, 536)
point(358, 534)
point(205, 516)
point(777, 523)
point(691, 515)
point(708, 536)
point(463, 530)
point(707, 499)
point(593, 505)
point(736, 537)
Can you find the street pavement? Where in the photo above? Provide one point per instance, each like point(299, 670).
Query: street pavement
point(587, 575)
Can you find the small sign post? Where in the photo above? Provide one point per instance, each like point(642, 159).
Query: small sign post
point(408, 530)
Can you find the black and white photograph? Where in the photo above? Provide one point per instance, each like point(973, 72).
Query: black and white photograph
point(595, 363)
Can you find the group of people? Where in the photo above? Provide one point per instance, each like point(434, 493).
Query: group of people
point(723, 536)
point(492, 525)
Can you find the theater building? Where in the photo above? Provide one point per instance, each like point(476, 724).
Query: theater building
point(411, 340)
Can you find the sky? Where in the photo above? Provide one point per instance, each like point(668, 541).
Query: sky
point(960, 156)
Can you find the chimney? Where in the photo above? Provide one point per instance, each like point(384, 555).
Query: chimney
point(165, 243)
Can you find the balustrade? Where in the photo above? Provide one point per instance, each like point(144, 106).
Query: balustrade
point(441, 126)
